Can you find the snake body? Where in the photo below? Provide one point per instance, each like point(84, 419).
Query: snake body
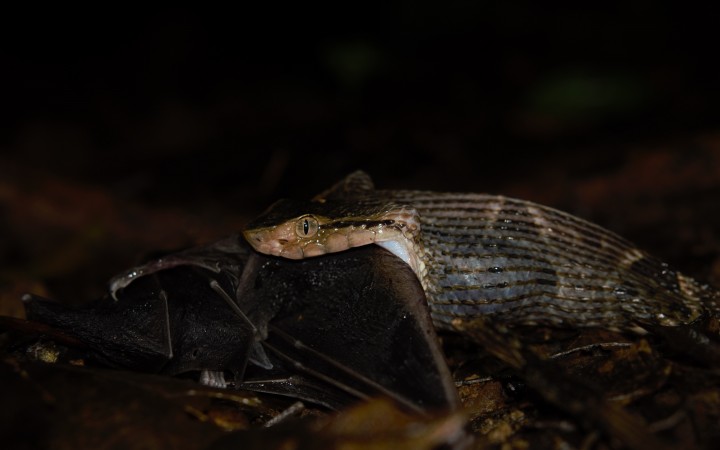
point(489, 255)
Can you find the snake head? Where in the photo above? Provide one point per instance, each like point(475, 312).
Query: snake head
point(300, 229)
point(286, 229)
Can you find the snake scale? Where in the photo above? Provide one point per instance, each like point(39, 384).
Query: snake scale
point(488, 255)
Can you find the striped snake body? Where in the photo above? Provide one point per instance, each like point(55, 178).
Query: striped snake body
point(488, 255)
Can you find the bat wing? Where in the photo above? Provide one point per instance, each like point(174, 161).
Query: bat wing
point(358, 322)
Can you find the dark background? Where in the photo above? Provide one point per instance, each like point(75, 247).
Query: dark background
point(127, 131)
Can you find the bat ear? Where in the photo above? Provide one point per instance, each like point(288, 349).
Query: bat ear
point(353, 185)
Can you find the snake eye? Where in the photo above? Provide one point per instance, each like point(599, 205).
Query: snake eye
point(306, 226)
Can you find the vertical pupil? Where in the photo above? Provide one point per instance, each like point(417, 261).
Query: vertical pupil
point(306, 226)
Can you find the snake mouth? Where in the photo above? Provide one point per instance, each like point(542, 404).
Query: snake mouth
point(267, 242)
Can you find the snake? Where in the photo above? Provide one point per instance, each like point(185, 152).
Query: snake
point(491, 256)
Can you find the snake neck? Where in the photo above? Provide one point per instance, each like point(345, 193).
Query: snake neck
point(481, 254)
point(411, 251)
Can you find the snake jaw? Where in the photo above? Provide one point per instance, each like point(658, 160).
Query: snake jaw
point(312, 249)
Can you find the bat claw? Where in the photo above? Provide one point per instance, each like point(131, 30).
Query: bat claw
point(213, 378)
